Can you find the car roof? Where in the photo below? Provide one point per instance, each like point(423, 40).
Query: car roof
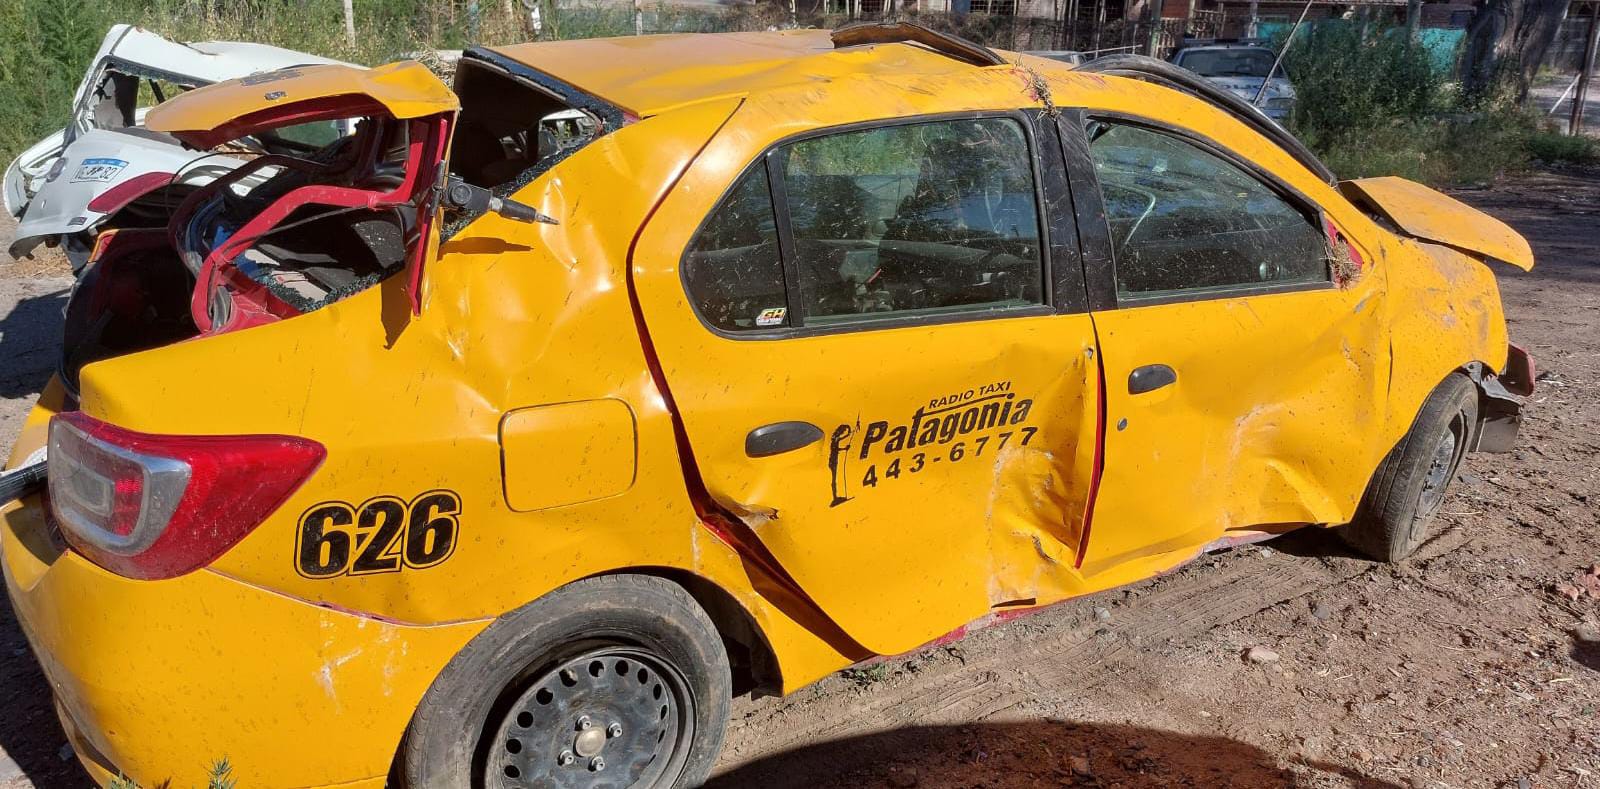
point(649, 75)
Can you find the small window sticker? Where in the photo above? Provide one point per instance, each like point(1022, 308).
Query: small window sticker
point(772, 316)
point(99, 169)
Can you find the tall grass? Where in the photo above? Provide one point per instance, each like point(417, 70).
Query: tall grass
point(49, 43)
point(1371, 100)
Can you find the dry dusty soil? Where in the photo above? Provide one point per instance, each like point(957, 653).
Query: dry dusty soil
point(1475, 664)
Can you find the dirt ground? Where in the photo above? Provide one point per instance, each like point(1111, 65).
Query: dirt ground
point(1475, 664)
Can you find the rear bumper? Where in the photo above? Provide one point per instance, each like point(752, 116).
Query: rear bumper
point(157, 680)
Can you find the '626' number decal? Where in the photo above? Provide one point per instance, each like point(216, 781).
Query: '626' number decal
point(382, 535)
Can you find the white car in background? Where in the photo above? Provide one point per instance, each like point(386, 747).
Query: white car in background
point(1240, 68)
point(105, 164)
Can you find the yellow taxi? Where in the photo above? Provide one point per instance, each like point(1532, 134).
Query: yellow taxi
point(504, 440)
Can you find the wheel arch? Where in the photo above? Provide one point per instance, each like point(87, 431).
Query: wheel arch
point(751, 657)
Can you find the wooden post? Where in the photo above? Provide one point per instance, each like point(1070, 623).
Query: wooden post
point(1099, 22)
point(1153, 16)
point(1575, 127)
point(1413, 18)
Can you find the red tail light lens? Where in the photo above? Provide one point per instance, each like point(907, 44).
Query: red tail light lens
point(158, 506)
point(126, 192)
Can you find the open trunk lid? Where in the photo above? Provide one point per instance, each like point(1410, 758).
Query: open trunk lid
point(394, 167)
point(241, 107)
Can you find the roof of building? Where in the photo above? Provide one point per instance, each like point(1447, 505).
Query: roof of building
point(649, 75)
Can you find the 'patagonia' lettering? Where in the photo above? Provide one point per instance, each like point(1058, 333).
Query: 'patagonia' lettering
point(947, 429)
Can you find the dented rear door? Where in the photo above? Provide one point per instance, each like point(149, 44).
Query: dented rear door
point(908, 428)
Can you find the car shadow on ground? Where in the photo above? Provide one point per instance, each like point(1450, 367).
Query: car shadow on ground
point(30, 343)
point(1036, 753)
point(1313, 542)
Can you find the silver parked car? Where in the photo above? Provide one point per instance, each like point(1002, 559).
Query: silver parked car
point(1240, 68)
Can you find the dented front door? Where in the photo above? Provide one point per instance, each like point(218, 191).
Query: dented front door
point(908, 427)
point(1245, 361)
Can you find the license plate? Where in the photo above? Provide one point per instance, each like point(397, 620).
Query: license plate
point(99, 170)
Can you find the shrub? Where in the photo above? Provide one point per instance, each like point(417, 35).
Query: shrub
point(1373, 102)
point(1551, 146)
point(1350, 80)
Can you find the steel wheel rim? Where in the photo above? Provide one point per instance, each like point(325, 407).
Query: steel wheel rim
point(613, 716)
point(1441, 467)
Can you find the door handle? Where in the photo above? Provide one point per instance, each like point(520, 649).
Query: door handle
point(1150, 378)
point(780, 437)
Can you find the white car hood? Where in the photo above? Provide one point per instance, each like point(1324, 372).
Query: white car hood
point(199, 63)
point(60, 205)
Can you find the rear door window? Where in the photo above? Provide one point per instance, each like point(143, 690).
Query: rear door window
point(732, 267)
point(902, 221)
point(918, 218)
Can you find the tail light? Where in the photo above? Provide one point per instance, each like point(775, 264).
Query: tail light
point(158, 506)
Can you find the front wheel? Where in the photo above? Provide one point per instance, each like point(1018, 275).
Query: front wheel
point(1410, 483)
point(617, 681)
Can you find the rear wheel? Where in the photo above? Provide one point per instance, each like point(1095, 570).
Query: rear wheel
point(1410, 483)
point(617, 681)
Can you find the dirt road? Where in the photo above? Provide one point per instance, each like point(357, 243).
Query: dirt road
point(1475, 664)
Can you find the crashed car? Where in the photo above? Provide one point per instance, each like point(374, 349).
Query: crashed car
point(106, 169)
point(448, 457)
point(1241, 68)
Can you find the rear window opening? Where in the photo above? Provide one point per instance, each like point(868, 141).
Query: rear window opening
point(511, 129)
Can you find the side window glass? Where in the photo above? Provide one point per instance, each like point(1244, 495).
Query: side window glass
point(1184, 219)
point(914, 219)
point(732, 268)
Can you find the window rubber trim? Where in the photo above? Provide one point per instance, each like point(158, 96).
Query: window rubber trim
point(790, 267)
point(1173, 77)
point(610, 117)
point(1097, 245)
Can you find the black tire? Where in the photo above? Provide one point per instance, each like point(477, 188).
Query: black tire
point(1410, 483)
point(603, 652)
